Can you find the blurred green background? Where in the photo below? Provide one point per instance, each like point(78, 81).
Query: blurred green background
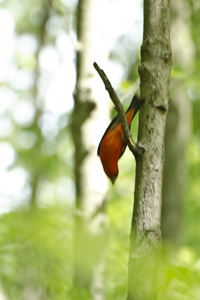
point(37, 189)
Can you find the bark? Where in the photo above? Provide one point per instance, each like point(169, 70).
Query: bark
point(90, 117)
point(145, 242)
point(177, 128)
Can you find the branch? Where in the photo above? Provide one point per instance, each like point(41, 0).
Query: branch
point(122, 117)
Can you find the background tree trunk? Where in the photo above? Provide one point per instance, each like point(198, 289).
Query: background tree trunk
point(155, 77)
point(91, 114)
point(177, 128)
point(36, 174)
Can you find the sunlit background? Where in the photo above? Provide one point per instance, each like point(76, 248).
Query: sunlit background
point(37, 80)
point(42, 77)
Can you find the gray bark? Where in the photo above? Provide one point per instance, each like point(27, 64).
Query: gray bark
point(155, 78)
point(90, 116)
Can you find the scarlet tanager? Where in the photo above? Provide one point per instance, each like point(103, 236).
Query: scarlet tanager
point(112, 144)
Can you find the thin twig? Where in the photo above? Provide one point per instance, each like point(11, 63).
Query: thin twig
point(122, 118)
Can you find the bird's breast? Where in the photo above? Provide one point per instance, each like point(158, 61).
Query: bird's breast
point(113, 143)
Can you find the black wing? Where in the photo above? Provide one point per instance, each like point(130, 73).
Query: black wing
point(116, 119)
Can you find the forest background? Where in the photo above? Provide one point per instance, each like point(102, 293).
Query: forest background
point(37, 190)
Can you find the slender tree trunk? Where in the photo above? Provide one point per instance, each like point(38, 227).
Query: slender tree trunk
point(155, 77)
point(177, 128)
point(90, 115)
point(174, 184)
point(36, 173)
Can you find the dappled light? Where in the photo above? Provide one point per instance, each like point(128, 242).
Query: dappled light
point(64, 228)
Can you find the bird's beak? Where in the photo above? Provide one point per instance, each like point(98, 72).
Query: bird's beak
point(113, 179)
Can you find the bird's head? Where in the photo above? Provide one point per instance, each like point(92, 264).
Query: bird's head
point(113, 175)
point(109, 160)
point(110, 168)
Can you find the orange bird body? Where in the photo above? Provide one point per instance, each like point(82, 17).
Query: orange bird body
point(112, 144)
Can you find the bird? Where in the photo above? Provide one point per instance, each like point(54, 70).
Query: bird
point(112, 144)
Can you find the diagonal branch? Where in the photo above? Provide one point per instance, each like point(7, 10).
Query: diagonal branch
point(122, 118)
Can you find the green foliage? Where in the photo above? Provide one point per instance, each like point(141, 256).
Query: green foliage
point(35, 255)
point(179, 279)
point(36, 246)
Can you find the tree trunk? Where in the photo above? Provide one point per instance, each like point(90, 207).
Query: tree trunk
point(36, 173)
point(177, 137)
point(177, 128)
point(90, 116)
point(145, 242)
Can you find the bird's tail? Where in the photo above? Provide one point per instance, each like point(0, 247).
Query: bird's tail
point(135, 105)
